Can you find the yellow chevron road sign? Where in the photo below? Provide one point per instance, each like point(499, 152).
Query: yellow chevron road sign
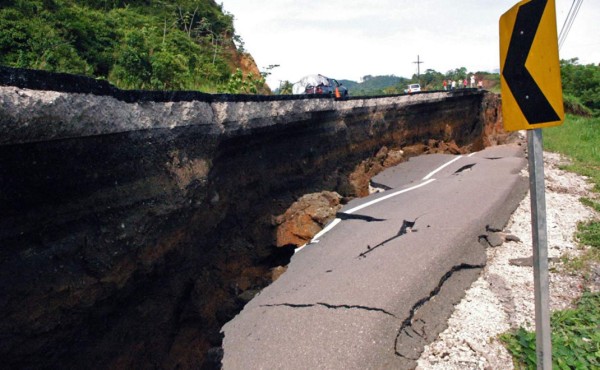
point(529, 66)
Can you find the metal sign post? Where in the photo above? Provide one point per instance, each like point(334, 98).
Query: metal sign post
point(540, 249)
point(532, 99)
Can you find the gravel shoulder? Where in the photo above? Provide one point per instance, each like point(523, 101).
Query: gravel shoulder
point(502, 297)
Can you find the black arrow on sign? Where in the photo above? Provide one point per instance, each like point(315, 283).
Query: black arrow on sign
point(527, 93)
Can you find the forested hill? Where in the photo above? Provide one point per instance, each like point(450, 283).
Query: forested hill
point(375, 85)
point(134, 44)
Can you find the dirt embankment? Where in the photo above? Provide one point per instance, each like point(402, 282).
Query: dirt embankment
point(136, 224)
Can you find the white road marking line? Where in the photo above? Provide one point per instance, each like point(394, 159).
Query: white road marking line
point(336, 221)
point(442, 167)
point(374, 201)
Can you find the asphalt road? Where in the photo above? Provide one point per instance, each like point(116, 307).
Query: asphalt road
point(381, 281)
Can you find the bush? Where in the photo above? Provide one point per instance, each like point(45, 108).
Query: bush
point(582, 82)
point(135, 44)
point(573, 105)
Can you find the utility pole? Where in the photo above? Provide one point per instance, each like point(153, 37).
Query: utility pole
point(418, 62)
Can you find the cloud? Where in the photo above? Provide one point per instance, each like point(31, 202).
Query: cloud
point(348, 39)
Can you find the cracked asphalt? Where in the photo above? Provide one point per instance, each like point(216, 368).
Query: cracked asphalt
point(380, 285)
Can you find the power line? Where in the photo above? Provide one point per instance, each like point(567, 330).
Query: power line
point(567, 18)
point(566, 28)
point(569, 21)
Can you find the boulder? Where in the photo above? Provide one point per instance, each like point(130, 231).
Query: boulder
point(306, 217)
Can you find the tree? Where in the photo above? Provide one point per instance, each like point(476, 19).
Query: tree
point(457, 74)
point(135, 44)
point(238, 84)
point(133, 68)
point(432, 80)
point(285, 88)
point(581, 82)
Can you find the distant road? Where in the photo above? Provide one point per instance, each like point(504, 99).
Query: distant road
point(381, 280)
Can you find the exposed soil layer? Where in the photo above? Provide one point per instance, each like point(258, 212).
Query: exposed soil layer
point(135, 224)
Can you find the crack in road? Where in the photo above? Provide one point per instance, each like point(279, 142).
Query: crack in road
point(466, 167)
point(483, 240)
point(332, 306)
point(408, 327)
point(491, 229)
point(377, 185)
point(348, 216)
point(407, 323)
point(405, 228)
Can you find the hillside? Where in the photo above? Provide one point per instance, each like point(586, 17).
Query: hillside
point(374, 85)
point(134, 44)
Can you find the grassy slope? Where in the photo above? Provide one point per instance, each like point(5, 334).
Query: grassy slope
point(579, 139)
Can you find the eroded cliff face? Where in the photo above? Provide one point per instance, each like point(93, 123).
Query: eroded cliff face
point(134, 225)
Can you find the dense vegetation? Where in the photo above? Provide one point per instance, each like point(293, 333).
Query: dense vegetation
point(190, 44)
point(375, 85)
point(581, 84)
point(135, 44)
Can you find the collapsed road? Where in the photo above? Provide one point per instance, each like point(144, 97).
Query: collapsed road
point(135, 224)
point(377, 287)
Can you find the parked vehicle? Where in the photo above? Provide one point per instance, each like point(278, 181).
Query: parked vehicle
point(319, 84)
point(412, 88)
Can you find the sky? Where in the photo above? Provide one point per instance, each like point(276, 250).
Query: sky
point(349, 39)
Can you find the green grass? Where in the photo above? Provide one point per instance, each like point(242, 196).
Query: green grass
point(579, 139)
point(588, 233)
point(575, 333)
point(591, 203)
point(575, 338)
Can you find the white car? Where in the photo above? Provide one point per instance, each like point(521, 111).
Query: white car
point(412, 88)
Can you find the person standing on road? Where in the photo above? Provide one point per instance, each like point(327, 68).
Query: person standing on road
point(472, 81)
point(465, 83)
point(480, 84)
point(445, 85)
point(453, 85)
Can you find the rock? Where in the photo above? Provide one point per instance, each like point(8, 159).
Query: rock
point(495, 239)
point(439, 146)
point(382, 154)
point(491, 240)
point(452, 148)
point(362, 174)
point(360, 178)
point(511, 238)
point(522, 262)
point(414, 150)
point(306, 217)
point(528, 261)
point(393, 158)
